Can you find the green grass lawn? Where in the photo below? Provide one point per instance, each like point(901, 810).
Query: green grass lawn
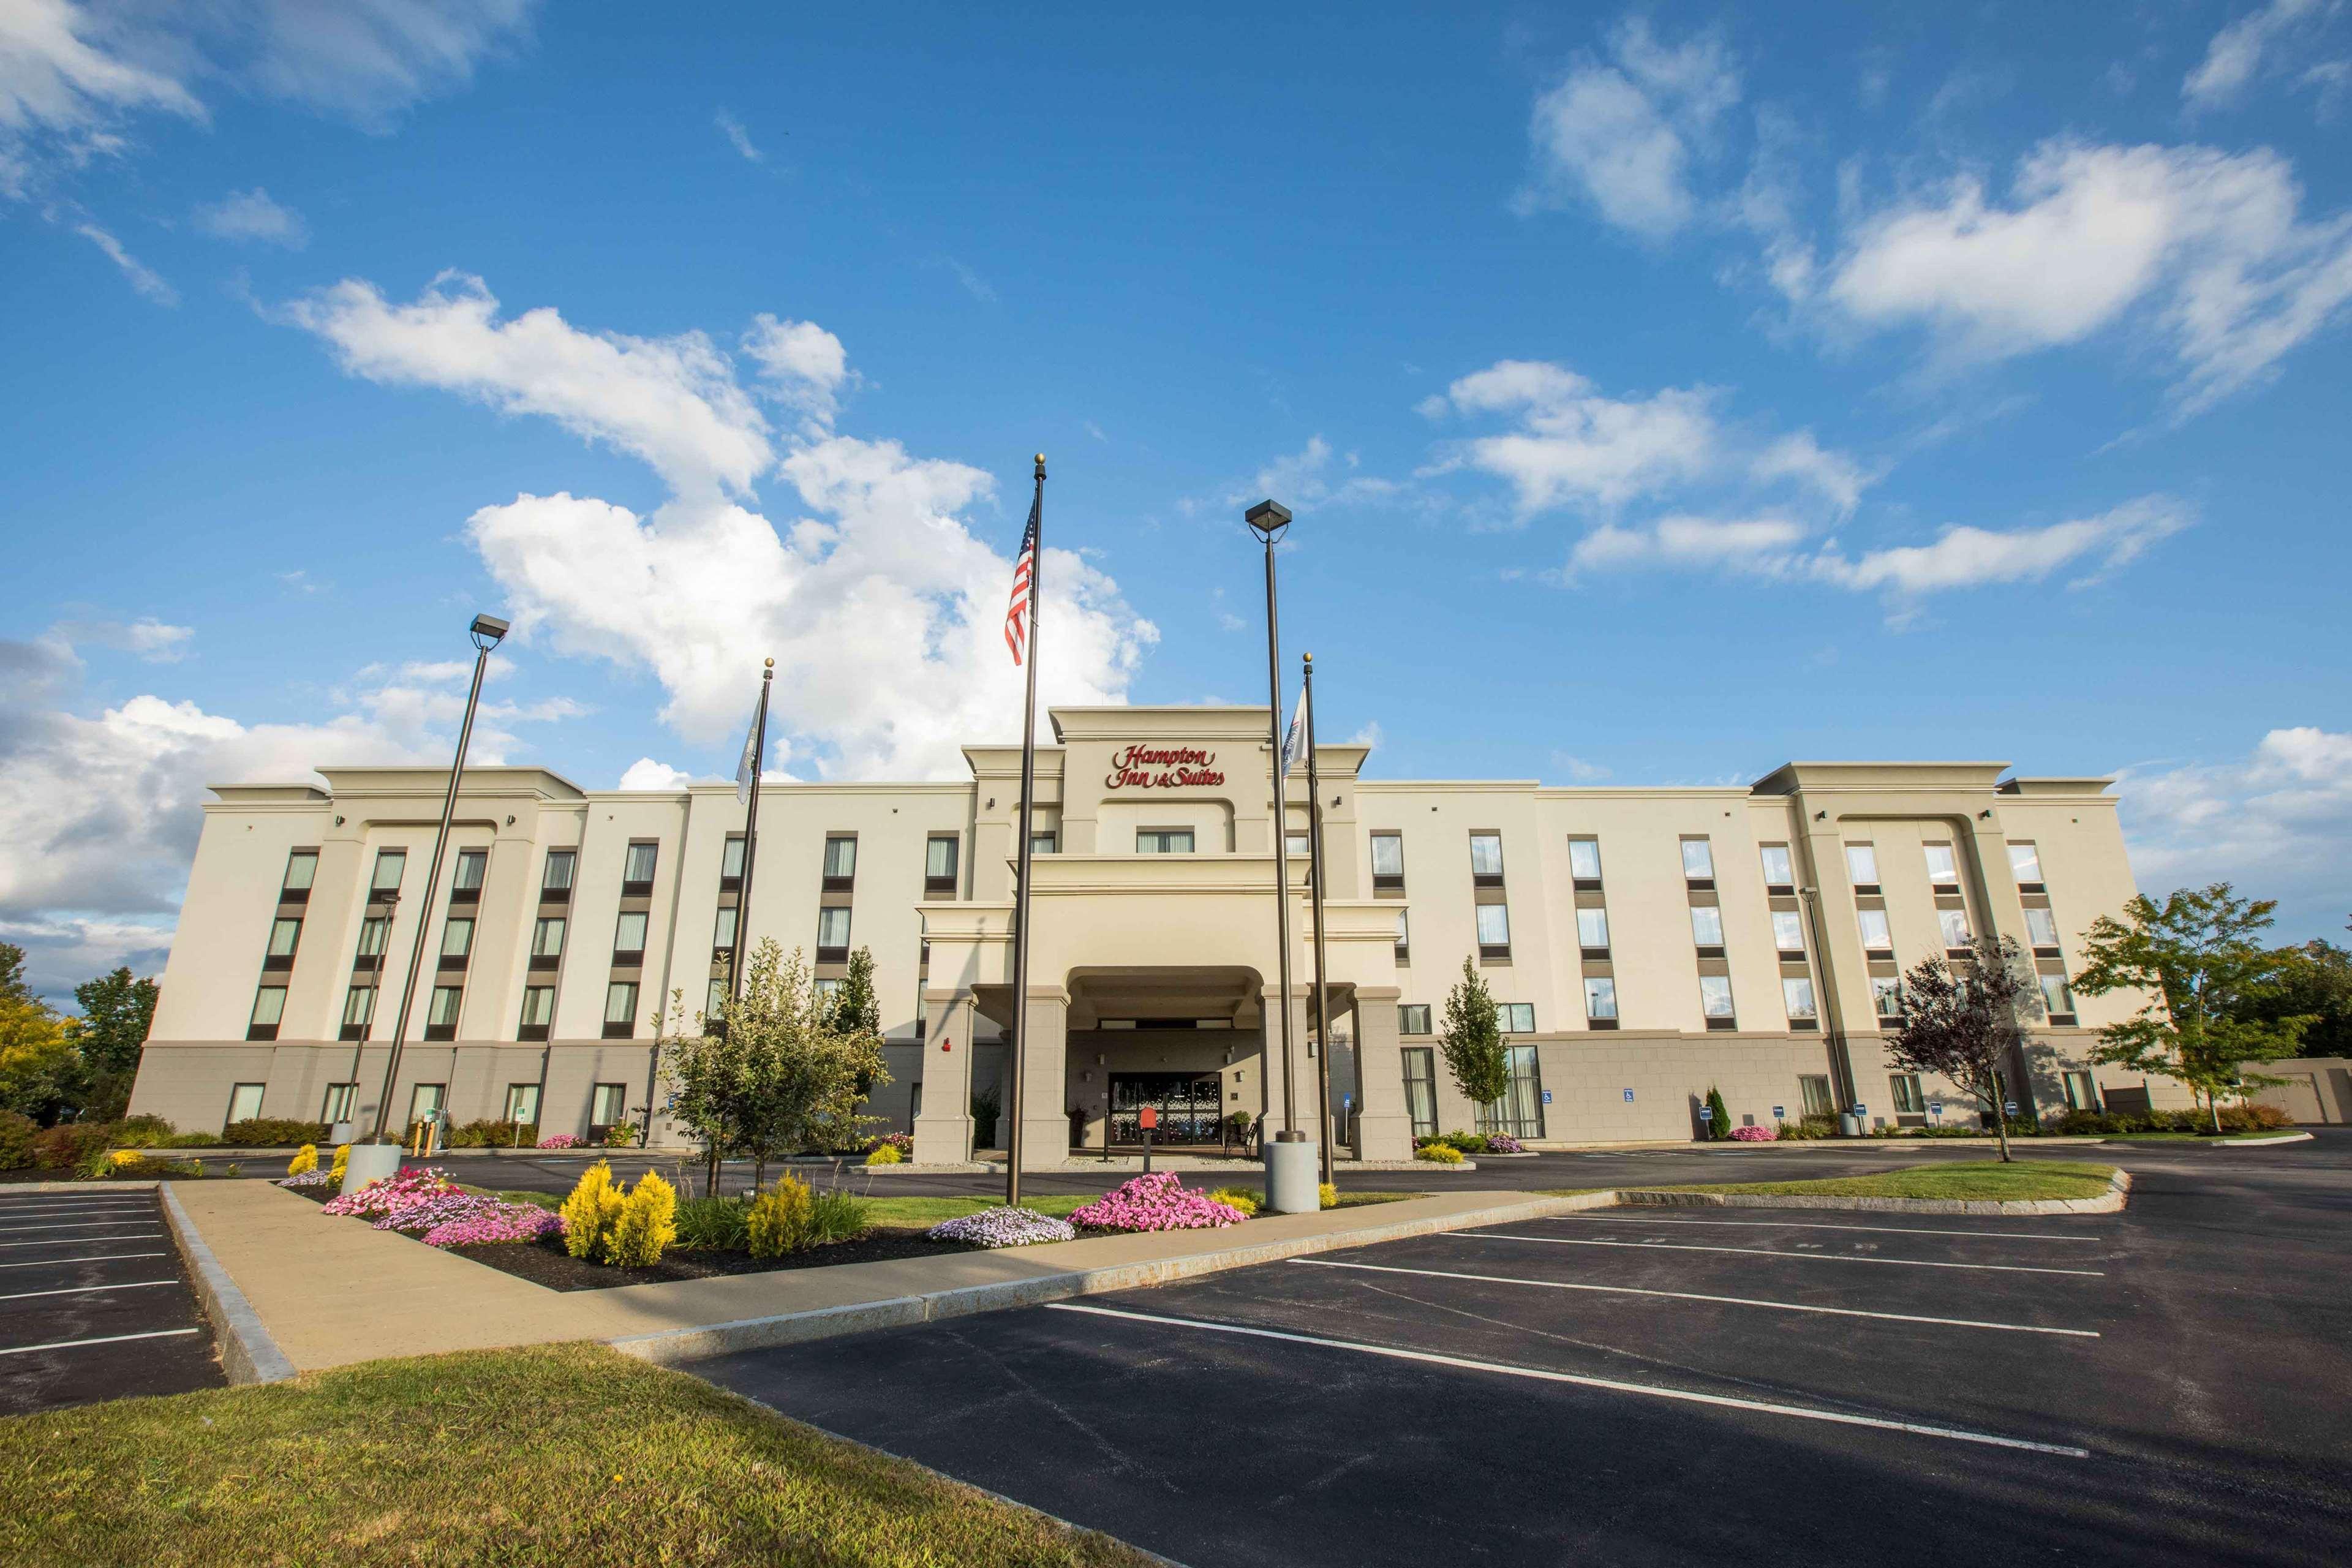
point(2026, 1179)
point(569, 1455)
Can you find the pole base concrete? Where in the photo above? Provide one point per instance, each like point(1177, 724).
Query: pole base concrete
point(368, 1162)
point(1290, 1177)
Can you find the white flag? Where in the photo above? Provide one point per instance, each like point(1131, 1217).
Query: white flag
point(1295, 743)
point(748, 768)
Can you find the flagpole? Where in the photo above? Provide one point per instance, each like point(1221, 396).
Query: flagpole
point(751, 840)
point(1315, 874)
point(1021, 890)
point(1267, 520)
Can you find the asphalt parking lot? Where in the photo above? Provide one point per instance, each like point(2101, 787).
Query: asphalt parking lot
point(94, 1302)
point(1631, 1385)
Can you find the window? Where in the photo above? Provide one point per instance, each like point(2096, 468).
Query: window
point(722, 935)
point(1592, 929)
point(1519, 1111)
point(456, 939)
point(1942, 868)
point(374, 932)
point(2059, 997)
point(1698, 860)
point(1042, 844)
point(1404, 935)
point(1388, 860)
point(1163, 841)
point(832, 931)
point(629, 937)
point(1299, 844)
point(1814, 1088)
point(1797, 996)
point(1779, 871)
point(284, 935)
point(939, 861)
point(1413, 1018)
point(1955, 924)
point(620, 1009)
point(389, 865)
point(1584, 859)
point(301, 871)
point(1421, 1090)
point(1715, 996)
point(538, 1007)
point(840, 858)
point(2042, 926)
point(556, 879)
point(522, 1103)
point(1908, 1100)
point(1789, 930)
point(1861, 865)
point(426, 1100)
point(637, 870)
point(1886, 995)
point(730, 860)
point(1600, 998)
point(441, 1015)
point(2082, 1091)
point(1706, 925)
point(1486, 855)
point(1875, 935)
point(714, 1002)
point(1495, 926)
point(359, 1012)
point(337, 1104)
point(244, 1101)
point(827, 989)
point(268, 1007)
point(467, 882)
point(1516, 1017)
point(609, 1105)
point(2026, 863)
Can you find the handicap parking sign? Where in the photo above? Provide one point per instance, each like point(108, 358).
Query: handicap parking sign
point(1935, 1108)
point(1547, 1097)
point(1629, 1097)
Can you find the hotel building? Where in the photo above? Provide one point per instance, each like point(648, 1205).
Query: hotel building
point(1644, 944)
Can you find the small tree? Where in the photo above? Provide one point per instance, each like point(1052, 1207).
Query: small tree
point(1473, 1040)
point(1719, 1123)
point(853, 1008)
point(117, 1010)
point(2206, 983)
point(800, 1077)
point(707, 1072)
point(1967, 1025)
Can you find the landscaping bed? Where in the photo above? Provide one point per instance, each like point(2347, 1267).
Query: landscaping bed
point(546, 1263)
point(2019, 1181)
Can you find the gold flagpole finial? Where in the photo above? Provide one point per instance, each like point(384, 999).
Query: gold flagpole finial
point(771, 664)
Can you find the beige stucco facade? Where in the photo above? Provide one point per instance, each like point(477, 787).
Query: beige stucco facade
point(1153, 943)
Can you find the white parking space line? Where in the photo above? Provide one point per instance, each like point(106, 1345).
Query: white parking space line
point(78, 1205)
point(89, 1240)
point(100, 1340)
point(1769, 1252)
point(1615, 1385)
point(89, 1289)
point(1694, 1295)
point(62, 1262)
point(1800, 1225)
point(77, 1225)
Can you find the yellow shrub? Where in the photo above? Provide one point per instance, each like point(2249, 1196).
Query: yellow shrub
point(305, 1160)
point(343, 1158)
point(884, 1154)
point(1327, 1196)
point(1243, 1198)
point(1438, 1154)
point(783, 1218)
point(648, 1223)
point(122, 1157)
point(589, 1212)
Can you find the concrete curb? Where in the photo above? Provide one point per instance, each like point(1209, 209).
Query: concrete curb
point(247, 1353)
point(2118, 1186)
point(2251, 1141)
point(134, 1184)
point(675, 1345)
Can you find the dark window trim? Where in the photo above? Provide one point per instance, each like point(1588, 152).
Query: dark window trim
point(1722, 1026)
point(440, 1031)
point(555, 896)
point(293, 894)
point(621, 1029)
point(1498, 951)
point(450, 961)
point(636, 889)
point(531, 1031)
point(465, 895)
point(1601, 1023)
point(353, 1032)
point(546, 960)
point(1710, 952)
point(261, 1031)
point(277, 961)
point(833, 955)
point(628, 958)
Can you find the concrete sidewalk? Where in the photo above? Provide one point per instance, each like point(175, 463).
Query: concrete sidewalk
point(329, 1290)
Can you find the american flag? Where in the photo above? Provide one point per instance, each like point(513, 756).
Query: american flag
point(1024, 567)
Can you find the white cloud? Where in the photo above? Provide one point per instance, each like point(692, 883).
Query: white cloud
point(63, 92)
point(976, 286)
point(738, 137)
point(1370, 735)
point(1838, 477)
point(1621, 132)
point(648, 773)
point(1314, 475)
point(2200, 248)
point(803, 365)
point(2278, 822)
point(148, 638)
point(1757, 543)
point(2241, 51)
point(252, 216)
point(1574, 445)
point(1578, 770)
point(142, 277)
point(364, 60)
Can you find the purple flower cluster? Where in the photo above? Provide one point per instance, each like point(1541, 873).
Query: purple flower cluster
point(411, 1185)
point(1752, 1135)
point(901, 1142)
point(1156, 1202)
point(558, 1140)
point(313, 1178)
point(1002, 1227)
point(1504, 1143)
point(498, 1222)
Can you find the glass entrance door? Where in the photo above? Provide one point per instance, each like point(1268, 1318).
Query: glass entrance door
point(1187, 1103)
point(1520, 1110)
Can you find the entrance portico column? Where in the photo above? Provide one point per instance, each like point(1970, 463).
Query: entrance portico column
point(1045, 1086)
point(1387, 1127)
point(1304, 1087)
point(943, 1128)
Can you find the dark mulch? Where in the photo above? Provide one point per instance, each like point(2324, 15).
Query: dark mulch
point(546, 1263)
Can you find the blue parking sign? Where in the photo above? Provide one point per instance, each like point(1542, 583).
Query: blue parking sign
point(1547, 1097)
point(1629, 1097)
point(1779, 1112)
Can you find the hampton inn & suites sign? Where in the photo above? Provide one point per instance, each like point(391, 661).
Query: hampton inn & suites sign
point(1162, 767)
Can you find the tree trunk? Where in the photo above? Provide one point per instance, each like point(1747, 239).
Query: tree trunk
point(1999, 1115)
point(2213, 1108)
point(710, 1169)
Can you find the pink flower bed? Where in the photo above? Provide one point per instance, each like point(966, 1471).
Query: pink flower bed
point(405, 1189)
point(1156, 1202)
point(502, 1222)
point(558, 1140)
point(423, 1199)
point(1753, 1135)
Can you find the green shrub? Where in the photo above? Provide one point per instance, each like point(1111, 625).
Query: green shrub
point(67, 1145)
point(1438, 1154)
point(720, 1225)
point(1467, 1143)
point(782, 1219)
point(1243, 1198)
point(493, 1135)
point(647, 1225)
point(263, 1131)
point(145, 1133)
point(16, 1135)
point(837, 1215)
point(1809, 1127)
point(1718, 1125)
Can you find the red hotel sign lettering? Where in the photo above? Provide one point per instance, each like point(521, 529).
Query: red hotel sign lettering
point(1162, 767)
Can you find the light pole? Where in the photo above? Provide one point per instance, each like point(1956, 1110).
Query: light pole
point(487, 631)
point(1269, 521)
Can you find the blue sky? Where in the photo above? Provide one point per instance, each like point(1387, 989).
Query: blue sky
point(1662, 395)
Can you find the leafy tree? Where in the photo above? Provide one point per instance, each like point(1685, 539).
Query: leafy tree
point(117, 1011)
point(2195, 960)
point(854, 1007)
point(1968, 1025)
point(707, 1071)
point(11, 974)
point(1472, 1040)
point(1718, 1126)
point(2314, 982)
point(41, 1069)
